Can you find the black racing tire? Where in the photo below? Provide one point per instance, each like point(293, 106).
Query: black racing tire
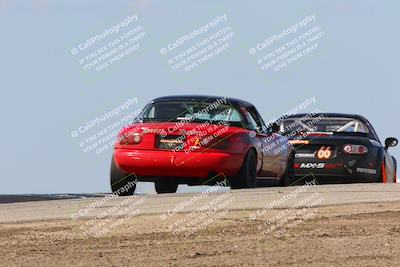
point(247, 175)
point(395, 170)
point(388, 179)
point(122, 183)
point(379, 177)
point(287, 177)
point(163, 187)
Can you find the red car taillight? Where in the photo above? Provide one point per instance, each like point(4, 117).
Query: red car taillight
point(130, 138)
point(355, 149)
point(215, 143)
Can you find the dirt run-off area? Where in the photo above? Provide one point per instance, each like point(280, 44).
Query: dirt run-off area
point(352, 235)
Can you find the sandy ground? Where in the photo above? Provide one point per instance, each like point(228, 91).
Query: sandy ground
point(358, 234)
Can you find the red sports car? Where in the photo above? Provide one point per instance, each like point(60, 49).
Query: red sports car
point(199, 140)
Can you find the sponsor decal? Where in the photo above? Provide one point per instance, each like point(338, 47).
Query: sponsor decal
point(305, 155)
point(316, 165)
point(299, 142)
point(324, 152)
point(365, 170)
point(190, 132)
point(156, 131)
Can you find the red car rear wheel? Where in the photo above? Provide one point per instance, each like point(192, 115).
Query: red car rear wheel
point(247, 176)
point(122, 184)
point(163, 187)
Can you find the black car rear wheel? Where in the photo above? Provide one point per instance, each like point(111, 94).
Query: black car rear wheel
point(163, 187)
point(122, 183)
point(247, 176)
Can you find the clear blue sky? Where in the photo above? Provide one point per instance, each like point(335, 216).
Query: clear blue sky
point(45, 93)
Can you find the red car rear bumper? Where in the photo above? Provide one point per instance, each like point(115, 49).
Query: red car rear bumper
point(177, 164)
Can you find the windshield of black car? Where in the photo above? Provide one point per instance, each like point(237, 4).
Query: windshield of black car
point(323, 124)
point(190, 111)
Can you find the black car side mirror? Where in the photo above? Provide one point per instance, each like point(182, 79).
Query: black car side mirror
point(273, 128)
point(390, 142)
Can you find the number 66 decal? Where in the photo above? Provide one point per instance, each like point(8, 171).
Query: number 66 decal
point(324, 153)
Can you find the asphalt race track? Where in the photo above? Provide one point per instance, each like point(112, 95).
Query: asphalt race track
point(245, 199)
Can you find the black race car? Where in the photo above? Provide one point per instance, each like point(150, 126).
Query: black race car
point(338, 148)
